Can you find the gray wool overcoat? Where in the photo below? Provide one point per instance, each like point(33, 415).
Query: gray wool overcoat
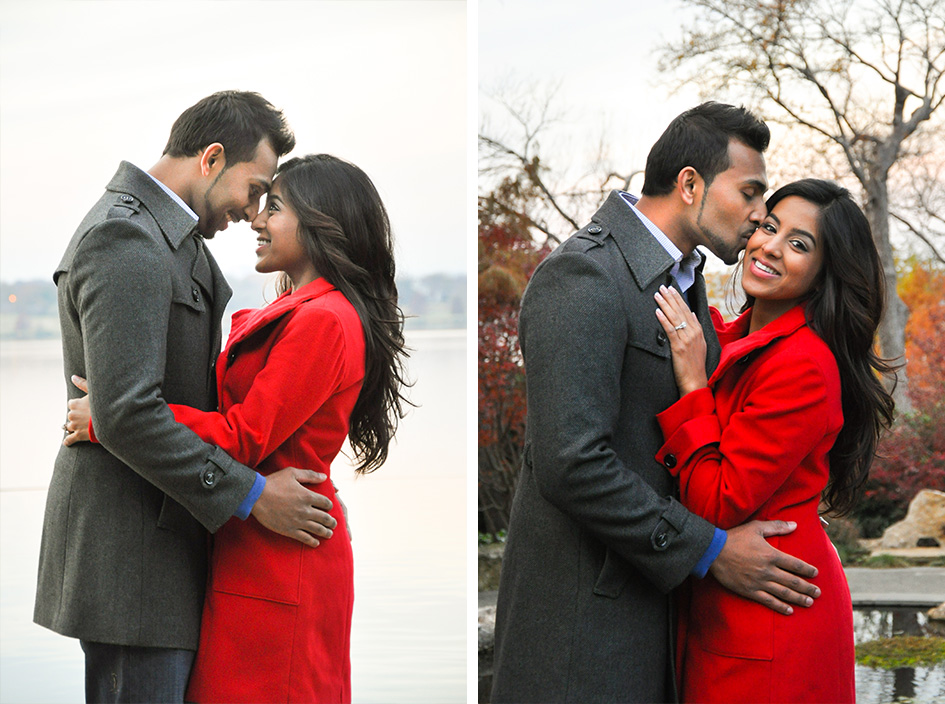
point(123, 555)
point(597, 540)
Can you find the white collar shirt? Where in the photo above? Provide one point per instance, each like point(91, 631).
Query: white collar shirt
point(177, 199)
point(685, 267)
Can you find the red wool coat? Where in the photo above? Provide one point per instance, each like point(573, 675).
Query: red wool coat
point(277, 617)
point(754, 445)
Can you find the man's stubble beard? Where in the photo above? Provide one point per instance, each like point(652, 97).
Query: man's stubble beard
point(715, 243)
point(209, 210)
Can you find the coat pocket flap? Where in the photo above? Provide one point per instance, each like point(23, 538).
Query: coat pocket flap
point(189, 293)
point(613, 576)
point(725, 624)
point(248, 560)
point(650, 339)
point(173, 516)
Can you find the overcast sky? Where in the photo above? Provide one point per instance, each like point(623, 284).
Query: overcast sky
point(87, 83)
point(602, 57)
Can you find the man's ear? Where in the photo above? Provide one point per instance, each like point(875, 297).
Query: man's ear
point(212, 159)
point(687, 183)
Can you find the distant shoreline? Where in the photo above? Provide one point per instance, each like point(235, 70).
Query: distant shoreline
point(410, 331)
point(29, 309)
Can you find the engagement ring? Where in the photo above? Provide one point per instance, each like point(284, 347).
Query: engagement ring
point(680, 326)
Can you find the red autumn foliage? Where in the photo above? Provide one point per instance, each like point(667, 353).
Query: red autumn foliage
point(506, 263)
point(507, 257)
point(912, 455)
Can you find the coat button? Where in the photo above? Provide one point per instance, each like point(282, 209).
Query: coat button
point(126, 198)
point(209, 477)
point(594, 229)
point(196, 294)
point(661, 338)
point(670, 461)
point(231, 357)
point(662, 540)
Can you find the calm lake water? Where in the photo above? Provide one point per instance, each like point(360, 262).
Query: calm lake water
point(408, 522)
point(916, 685)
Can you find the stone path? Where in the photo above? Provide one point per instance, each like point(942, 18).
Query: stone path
point(903, 586)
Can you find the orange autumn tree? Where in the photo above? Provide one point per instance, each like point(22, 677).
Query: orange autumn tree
point(912, 456)
point(922, 288)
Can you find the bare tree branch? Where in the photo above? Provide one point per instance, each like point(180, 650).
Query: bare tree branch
point(918, 233)
point(505, 207)
point(866, 75)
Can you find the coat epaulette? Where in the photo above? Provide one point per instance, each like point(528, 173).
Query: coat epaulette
point(591, 235)
point(124, 207)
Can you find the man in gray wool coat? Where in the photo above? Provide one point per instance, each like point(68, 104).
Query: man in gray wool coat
point(123, 558)
point(597, 539)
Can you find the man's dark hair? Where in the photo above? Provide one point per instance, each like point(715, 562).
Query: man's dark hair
point(699, 138)
point(238, 120)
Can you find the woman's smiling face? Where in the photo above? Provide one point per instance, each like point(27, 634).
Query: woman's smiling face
point(784, 256)
point(279, 239)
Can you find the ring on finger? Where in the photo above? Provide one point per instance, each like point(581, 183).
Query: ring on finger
point(681, 326)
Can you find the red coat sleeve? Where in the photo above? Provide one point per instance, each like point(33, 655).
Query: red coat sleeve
point(305, 366)
point(727, 473)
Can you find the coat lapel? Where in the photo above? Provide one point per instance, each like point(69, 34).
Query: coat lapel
point(644, 256)
point(209, 276)
point(201, 271)
point(698, 300)
point(738, 346)
point(647, 261)
point(247, 322)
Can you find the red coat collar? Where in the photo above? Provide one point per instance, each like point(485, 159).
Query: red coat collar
point(737, 344)
point(248, 321)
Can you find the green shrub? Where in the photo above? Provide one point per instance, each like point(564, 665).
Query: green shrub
point(901, 651)
point(845, 535)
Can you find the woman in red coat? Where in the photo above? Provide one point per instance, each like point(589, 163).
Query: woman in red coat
point(321, 363)
point(789, 418)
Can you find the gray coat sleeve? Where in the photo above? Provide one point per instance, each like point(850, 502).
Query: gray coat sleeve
point(121, 289)
point(574, 333)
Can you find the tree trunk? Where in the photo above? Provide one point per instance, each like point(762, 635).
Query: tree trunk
point(892, 327)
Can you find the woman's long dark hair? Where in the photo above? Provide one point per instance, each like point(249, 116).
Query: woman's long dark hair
point(844, 309)
point(345, 230)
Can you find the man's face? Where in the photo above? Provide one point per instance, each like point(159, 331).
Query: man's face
point(733, 205)
point(234, 193)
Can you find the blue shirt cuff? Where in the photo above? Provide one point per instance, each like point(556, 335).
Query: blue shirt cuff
point(245, 508)
point(715, 547)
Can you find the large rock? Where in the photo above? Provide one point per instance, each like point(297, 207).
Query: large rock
point(936, 623)
point(924, 521)
point(486, 651)
point(486, 628)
